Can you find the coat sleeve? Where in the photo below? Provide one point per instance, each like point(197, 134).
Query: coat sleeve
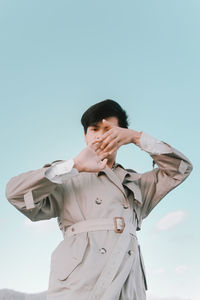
point(173, 169)
point(34, 195)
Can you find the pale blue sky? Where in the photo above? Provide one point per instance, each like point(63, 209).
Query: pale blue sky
point(59, 57)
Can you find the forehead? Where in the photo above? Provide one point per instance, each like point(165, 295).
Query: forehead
point(112, 120)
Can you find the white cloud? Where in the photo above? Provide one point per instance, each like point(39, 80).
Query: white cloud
point(171, 220)
point(158, 271)
point(181, 269)
point(42, 226)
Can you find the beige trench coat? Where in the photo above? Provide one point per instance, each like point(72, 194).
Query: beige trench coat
point(98, 264)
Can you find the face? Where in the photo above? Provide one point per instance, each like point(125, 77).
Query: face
point(97, 130)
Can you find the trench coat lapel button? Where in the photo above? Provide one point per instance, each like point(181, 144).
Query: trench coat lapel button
point(125, 206)
point(98, 201)
point(130, 252)
point(102, 250)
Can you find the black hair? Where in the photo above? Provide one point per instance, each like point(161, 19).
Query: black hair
point(104, 109)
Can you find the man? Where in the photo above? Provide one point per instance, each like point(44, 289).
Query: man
point(99, 206)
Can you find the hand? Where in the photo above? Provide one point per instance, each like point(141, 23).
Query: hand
point(89, 161)
point(115, 137)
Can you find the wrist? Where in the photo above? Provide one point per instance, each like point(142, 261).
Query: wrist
point(136, 137)
point(77, 164)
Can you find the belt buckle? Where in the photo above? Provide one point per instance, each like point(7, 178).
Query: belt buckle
point(119, 224)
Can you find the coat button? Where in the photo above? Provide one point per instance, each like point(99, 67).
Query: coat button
point(72, 229)
point(98, 200)
point(102, 250)
point(125, 206)
point(130, 252)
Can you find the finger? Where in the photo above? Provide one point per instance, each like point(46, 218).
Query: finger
point(114, 149)
point(107, 123)
point(95, 141)
point(103, 155)
point(103, 164)
point(98, 151)
point(95, 145)
point(110, 142)
point(105, 135)
point(111, 145)
point(106, 138)
point(107, 141)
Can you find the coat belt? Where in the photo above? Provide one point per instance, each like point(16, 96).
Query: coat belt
point(117, 224)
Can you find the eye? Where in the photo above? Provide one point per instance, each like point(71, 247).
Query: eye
point(93, 128)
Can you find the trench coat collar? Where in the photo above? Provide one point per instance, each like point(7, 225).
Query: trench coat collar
point(124, 174)
point(122, 177)
point(130, 180)
point(112, 176)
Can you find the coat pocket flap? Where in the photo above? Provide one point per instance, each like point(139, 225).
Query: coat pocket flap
point(68, 255)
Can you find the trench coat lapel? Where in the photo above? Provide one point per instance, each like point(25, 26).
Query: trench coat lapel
point(130, 180)
point(122, 177)
point(113, 178)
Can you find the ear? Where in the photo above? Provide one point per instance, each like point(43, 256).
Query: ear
point(85, 138)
